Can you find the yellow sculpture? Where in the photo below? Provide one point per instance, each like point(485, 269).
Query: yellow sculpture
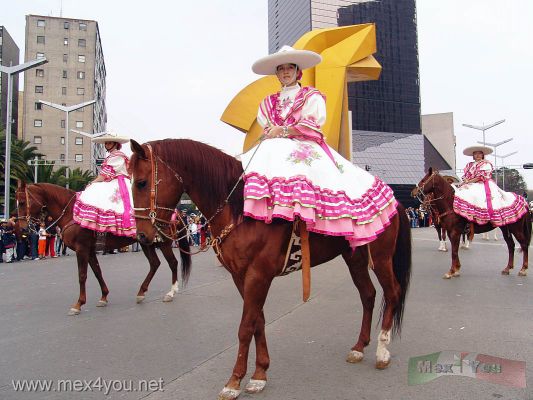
point(346, 57)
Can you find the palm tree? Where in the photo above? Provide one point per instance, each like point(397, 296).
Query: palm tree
point(21, 153)
point(79, 179)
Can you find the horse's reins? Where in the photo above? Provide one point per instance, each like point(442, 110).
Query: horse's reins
point(28, 216)
point(152, 211)
point(423, 198)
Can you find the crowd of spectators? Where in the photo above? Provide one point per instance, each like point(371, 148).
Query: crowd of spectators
point(37, 242)
point(419, 217)
point(198, 232)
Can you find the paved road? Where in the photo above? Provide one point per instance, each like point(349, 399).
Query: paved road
point(190, 345)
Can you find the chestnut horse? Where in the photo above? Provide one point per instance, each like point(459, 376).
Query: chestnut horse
point(443, 194)
point(254, 252)
point(39, 200)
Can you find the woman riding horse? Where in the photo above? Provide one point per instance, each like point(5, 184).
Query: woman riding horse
point(292, 173)
point(106, 204)
point(479, 199)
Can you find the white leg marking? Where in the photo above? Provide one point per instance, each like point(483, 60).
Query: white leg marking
point(354, 356)
point(228, 393)
point(173, 290)
point(255, 386)
point(382, 354)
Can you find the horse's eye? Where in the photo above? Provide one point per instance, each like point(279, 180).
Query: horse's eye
point(141, 184)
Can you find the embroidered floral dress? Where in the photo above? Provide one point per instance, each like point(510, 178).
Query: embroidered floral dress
point(304, 177)
point(107, 206)
point(482, 202)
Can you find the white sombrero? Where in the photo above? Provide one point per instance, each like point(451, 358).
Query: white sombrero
point(469, 151)
point(286, 55)
point(111, 137)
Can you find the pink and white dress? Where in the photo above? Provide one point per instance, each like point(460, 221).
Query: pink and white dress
point(483, 202)
point(303, 177)
point(107, 206)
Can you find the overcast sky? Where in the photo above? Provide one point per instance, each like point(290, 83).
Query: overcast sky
point(173, 66)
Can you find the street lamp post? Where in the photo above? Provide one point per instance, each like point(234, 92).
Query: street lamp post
point(503, 165)
point(484, 127)
point(496, 145)
point(92, 136)
point(10, 71)
point(67, 110)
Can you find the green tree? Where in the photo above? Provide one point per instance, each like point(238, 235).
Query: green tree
point(514, 182)
point(21, 153)
point(79, 179)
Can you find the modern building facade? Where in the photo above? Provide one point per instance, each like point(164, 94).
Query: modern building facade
point(9, 56)
point(387, 136)
point(75, 73)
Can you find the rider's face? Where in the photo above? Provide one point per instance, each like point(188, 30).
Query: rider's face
point(478, 155)
point(109, 145)
point(286, 74)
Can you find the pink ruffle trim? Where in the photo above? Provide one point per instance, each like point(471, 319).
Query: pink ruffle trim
point(100, 220)
point(500, 217)
point(324, 211)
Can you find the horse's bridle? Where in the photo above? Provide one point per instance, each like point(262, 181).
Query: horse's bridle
point(43, 213)
point(158, 223)
point(152, 210)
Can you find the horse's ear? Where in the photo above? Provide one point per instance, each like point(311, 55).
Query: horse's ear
point(137, 149)
point(430, 170)
point(21, 184)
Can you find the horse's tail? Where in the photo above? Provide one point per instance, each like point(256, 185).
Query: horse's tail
point(527, 227)
point(402, 267)
point(186, 259)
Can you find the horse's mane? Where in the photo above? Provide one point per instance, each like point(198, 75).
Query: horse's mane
point(210, 168)
point(445, 186)
point(56, 193)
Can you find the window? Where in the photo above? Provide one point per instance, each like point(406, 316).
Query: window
point(65, 57)
point(62, 157)
point(79, 157)
point(37, 139)
point(81, 90)
point(38, 106)
point(62, 140)
point(39, 72)
point(81, 58)
point(66, 25)
point(64, 104)
point(62, 126)
point(40, 23)
point(65, 73)
point(65, 41)
point(64, 91)
point(37, 123)
point(40, 39)
point(83, 26)
point(38, 89)
point(79, 140)
point(79, 124)
point(81, 42)
point(39, 55)
point(81, 75)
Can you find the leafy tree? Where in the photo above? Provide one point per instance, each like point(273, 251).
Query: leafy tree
point(514, 182)
point(79, 179)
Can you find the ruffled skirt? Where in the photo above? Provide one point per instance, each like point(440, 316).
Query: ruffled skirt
point(101, 208)
point(484, 202)
point(288, 178)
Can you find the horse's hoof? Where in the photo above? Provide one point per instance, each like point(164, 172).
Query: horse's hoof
point(505, 272)
point(167, 299)
point(447, 276)
point(354, 356)
point(228, 394)
point(140, 299)
point(522, 272)
point(456, 274)
point(73, 311)
point(382, 364)
point(255, 386)
point(101, 303)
